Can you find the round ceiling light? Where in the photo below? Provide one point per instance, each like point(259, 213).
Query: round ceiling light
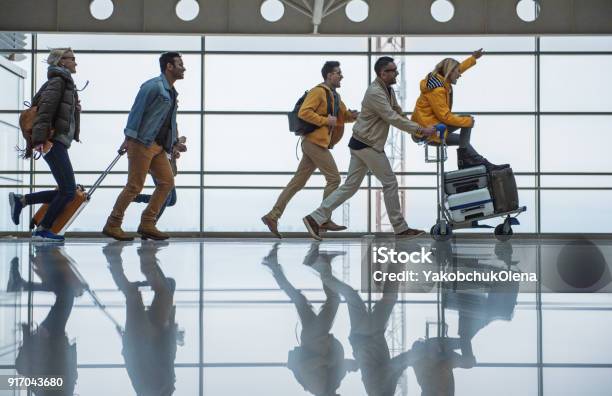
point(357, 10)
point(272, 10)
point(442, 10)
point(528, 10)
point(101, 9)
point(187, 10)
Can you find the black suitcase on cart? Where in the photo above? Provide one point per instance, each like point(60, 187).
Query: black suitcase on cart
point(503, 190)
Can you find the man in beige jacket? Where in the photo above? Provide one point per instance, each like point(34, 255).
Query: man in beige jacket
point(379, 110)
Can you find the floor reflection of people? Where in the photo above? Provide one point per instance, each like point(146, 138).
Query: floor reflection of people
point(477, 303)
point(150, 335)
point(318, 362)
point(46, 349)
point(484, 302)
point(434, 361)
point(379, 372)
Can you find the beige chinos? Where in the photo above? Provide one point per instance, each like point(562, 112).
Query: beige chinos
point(314, 156)
point(362, 161)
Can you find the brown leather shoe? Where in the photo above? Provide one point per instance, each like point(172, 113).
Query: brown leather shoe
point(312, 227)
point(331, 226)
point(272, 225)
point(149, 231)
point(116, 232)
point(410, 232)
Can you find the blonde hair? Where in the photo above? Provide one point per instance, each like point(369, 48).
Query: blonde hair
point(445, 67)
point(56, 54)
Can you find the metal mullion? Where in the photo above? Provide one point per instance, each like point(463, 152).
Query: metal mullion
point(407, 53)
point(283, 112)
point(539, 324)
point(575, 113)
point(538, 181)
point(202, 135)
point(33, 74)
point(109, 51)
point(503, 53)
point(284, 364)
point(283, 53)
point(188, 112)
point(201, 321)
point(286, 173)
point(369, 187)
point(353, 53)
point(369, 175)
point(244, 112)
point(279, 173)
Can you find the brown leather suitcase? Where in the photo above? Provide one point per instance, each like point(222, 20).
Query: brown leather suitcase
point(74, 207)
point(68, 215)
point(503, 190)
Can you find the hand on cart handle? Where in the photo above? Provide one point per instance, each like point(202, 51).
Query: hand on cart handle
point(428, 132)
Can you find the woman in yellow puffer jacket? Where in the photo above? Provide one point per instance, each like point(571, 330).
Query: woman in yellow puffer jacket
point(434, 106)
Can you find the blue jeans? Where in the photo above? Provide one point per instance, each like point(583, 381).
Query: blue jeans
point(170, 200)
point(61, 168)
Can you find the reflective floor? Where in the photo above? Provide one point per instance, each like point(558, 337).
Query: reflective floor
point(255, 317)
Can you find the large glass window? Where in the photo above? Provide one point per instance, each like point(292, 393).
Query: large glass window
point(546, 112)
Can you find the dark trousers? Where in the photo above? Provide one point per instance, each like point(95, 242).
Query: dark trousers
point(61, 168)
point(56, 320)
point(170, 200)
point(463, 140)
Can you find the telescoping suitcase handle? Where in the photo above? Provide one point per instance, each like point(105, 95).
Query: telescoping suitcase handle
point(93, 188)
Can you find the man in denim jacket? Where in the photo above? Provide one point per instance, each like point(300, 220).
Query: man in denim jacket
point(150, 136)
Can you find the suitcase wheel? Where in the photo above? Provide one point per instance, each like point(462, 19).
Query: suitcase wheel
point(436, 233)
point(503, 232)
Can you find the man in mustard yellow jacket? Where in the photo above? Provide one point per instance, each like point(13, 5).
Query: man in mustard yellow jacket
point(434, 106)
point(317, 144)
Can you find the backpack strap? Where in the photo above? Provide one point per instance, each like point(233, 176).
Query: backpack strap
point(36, 97)
point(328, 96)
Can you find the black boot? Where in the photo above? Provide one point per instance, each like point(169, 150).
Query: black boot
point(493, 167)
point(466, 160)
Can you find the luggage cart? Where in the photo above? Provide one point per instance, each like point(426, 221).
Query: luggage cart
point(443, 229)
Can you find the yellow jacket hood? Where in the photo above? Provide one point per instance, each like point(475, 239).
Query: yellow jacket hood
point(435, 102)
point(433, 81)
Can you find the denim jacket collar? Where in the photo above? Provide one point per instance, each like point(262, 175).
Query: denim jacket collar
point(166, 84)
